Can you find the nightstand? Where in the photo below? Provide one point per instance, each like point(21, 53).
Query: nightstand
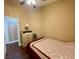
point(26, 38)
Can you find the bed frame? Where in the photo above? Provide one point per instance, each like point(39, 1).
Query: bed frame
point(31, 53)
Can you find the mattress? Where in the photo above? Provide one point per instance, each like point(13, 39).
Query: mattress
point(48, 48)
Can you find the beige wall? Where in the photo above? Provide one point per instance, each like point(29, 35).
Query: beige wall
point(35, 21)
point(54, 20)
point(58, 20)
point(16, 11)
point(33, 18)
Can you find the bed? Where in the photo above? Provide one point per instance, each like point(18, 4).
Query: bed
point(47, 48)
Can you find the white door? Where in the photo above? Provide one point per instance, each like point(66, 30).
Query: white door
point(10, 30)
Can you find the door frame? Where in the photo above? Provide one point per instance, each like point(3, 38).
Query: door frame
point(17, 21)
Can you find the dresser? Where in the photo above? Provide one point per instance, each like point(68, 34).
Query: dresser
point(27, 37)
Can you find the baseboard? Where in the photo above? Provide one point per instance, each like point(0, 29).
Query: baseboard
point(12, 42)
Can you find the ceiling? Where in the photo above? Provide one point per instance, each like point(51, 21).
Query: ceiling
point(42, 3)
point(39, 3)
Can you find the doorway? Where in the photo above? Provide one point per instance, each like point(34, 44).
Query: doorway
point(11, 30)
